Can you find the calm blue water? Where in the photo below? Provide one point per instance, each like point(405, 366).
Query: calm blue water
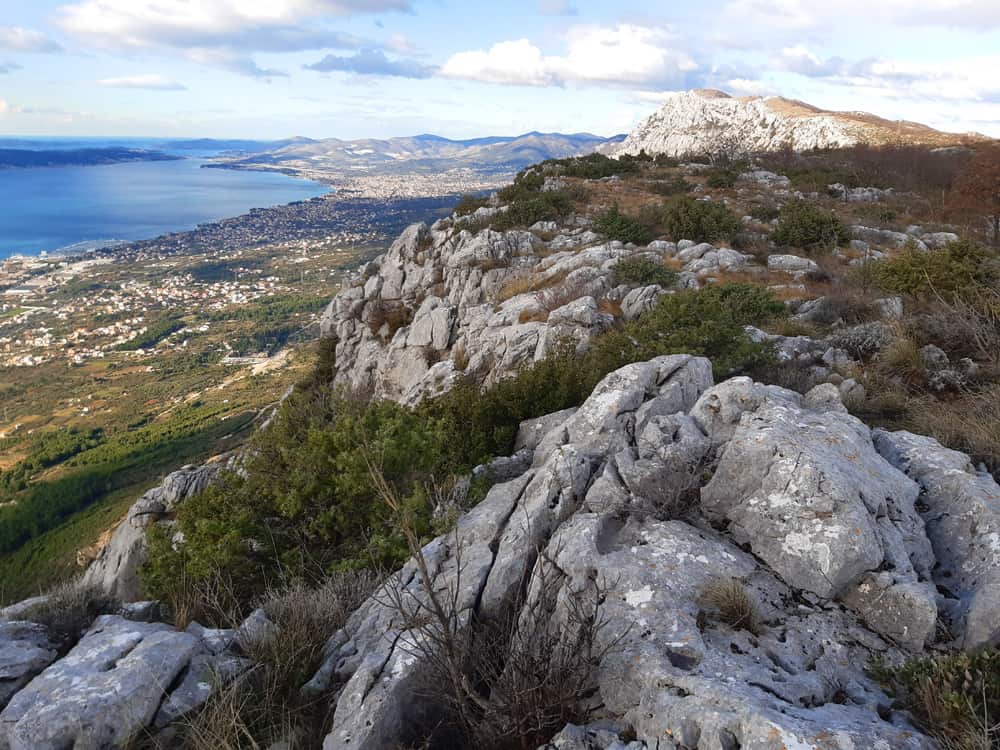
point(49, 208)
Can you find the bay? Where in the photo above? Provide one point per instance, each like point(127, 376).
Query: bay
point(45, 209)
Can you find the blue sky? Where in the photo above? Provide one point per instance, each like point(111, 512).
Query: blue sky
point(355, 68)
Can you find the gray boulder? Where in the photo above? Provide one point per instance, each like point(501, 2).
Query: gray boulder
point(962, 515)
point(810, 495)
point(104, 692)
point(115, 570)
point(25, 651)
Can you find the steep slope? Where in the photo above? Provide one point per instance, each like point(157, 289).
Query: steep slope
point(706, 121)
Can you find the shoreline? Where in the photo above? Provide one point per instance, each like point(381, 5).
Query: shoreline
point(100, 245)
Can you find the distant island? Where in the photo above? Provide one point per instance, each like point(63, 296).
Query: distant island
point(11, 158)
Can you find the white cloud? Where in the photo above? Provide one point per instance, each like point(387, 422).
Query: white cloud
point(152, 81)
point(621, 56)
point(222, 32)
point(777, 15)
point(17, 39)
point(4, 107)
point(970, 79)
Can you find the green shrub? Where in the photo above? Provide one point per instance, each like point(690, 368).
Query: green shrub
point(685, 218)
point(524, 211)
point(708, 322)
point(643, 272)
point(676, 185)
point(469, 204)
point(722, 178)
point(595, 166)
point(949, 271)
point(806, 225)
point(954, 698)
point(615, 225)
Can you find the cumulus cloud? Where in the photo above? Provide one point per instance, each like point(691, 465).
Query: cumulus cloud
point(222, 32)
point(372, 62)
point(626, 55)
point(151, 81)
point(17, 39)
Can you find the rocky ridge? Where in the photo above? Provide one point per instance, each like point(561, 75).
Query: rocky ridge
point(705, 121)
point(816, 515)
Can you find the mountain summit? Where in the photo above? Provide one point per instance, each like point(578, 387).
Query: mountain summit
point(703, 120)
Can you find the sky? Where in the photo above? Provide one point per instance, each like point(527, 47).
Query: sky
point(460, 68)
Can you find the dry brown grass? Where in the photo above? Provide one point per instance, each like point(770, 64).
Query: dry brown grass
point(533, 316)
point(266, 704)
point(727, 600)
point(525, 284)
point(68, 611)
point(610, 307)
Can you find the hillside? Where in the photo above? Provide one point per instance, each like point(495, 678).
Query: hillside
point(630, 454)
point(421, 154)
point(704, 121)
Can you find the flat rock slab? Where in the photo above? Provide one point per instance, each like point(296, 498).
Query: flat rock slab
point(24, 652)
point(103, 692)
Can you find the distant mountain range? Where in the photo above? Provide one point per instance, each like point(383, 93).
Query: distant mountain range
point(703, 121)
point(424, 154)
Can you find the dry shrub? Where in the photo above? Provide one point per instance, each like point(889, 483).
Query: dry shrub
point(506, 684)
point(610, 307)
point(266, 704)
point(969, 423)
point(795, 376)
point(524, 284)
point(560, 294)
point(394, 315)
point(727, 600)
point(955, 697)
point(678, 493)
point(965, 326)
point(460, 356)
point(69, 610)
point(533, 316)
point(901, 362)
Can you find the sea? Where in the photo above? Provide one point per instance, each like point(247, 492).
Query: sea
point(49, 209)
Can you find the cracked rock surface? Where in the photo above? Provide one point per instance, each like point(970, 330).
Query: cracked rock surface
point(835, 535)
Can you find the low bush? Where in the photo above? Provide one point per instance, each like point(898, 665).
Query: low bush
point(955, 698)
point(643, 272)
point(722, 178)
point(676, 185)
point(469, 204)
point(685, 218)
point(808, 226)
point(595, 166)
point(709, 322)
point(528, 208)
point(615, 225)
point(957, 269)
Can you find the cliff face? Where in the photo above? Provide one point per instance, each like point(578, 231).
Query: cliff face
point(703, 122)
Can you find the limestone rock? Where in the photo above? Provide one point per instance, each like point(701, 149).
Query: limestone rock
point(102, 693)
point(805, 490)
point(961, 509)
point(25, 651)
point(116, 568)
